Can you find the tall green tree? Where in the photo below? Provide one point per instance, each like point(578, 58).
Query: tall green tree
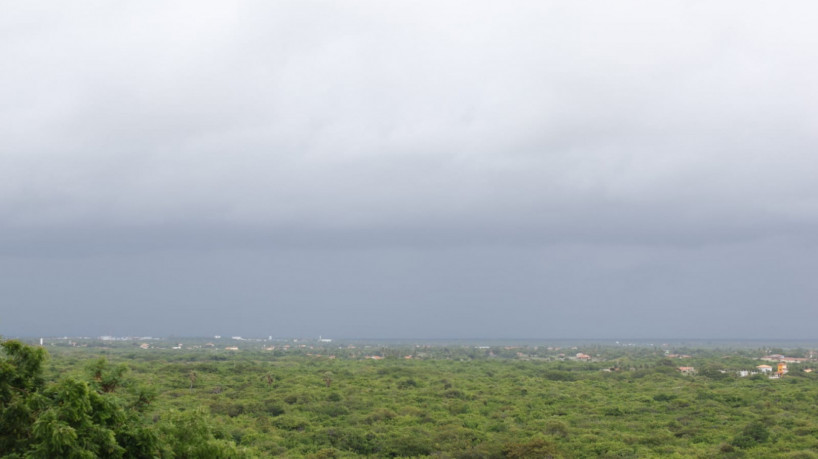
point(21, 382)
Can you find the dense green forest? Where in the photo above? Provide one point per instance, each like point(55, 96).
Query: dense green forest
point(89, 398)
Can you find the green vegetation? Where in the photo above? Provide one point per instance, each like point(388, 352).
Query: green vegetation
point(324, 401)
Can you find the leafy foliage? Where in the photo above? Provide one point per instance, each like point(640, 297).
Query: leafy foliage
point(446, 402)
point(71, 418)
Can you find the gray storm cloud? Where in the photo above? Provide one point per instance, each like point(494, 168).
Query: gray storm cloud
point(472, 133)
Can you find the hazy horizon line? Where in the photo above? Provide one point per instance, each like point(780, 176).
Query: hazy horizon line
point(410, 338)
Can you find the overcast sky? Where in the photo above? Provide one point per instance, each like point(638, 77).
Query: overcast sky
point(409, 169)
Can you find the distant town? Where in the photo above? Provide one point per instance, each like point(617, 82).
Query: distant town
point(598, 353)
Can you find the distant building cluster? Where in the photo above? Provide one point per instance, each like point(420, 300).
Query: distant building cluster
point(782, 358)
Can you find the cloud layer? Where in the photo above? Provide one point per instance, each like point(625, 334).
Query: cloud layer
point(454, 135)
